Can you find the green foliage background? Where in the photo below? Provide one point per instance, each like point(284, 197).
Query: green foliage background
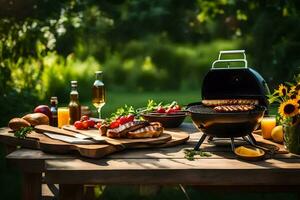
point(140, 45)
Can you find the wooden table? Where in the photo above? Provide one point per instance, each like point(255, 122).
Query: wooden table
point(155, 166)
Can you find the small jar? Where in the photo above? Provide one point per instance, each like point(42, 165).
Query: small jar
point(292, 138)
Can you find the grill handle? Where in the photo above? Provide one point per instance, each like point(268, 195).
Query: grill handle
point(220, 60)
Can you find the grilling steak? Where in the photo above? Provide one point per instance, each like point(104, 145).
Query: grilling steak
point(234, 108)
point(153, 130)
point(122, 130)
point(221, 102)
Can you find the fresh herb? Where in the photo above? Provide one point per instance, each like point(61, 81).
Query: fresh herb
point(191, 153)
point(152, 105)
point(123, 111)
point(23, 132)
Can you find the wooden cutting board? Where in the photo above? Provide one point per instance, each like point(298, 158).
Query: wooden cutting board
point(36, 140)
point(128, 143)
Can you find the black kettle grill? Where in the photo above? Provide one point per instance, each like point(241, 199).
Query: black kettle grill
point(230, 83)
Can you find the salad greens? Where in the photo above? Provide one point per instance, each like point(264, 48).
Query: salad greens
point(130, 110)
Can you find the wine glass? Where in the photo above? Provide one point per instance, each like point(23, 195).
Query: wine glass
point(98, 97)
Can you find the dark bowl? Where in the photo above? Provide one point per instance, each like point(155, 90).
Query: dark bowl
point(167, 120)
point(224, 125)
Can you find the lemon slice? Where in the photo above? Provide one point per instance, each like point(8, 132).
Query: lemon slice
point(249, 153)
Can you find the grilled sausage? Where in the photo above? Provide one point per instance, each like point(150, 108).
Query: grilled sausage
point(234, 108)
point(221, 102)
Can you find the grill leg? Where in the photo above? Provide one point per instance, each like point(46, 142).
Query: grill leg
point(203, 137)
point(252, 139)
point(232, 144)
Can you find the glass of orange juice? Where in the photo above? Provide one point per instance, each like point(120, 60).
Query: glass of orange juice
point(267, 125)
point(63, 116)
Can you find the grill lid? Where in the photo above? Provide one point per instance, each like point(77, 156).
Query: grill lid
point(234, 82)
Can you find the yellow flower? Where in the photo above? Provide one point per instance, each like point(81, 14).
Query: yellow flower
point(282, 90)
point(288, 108)
point(297, 99)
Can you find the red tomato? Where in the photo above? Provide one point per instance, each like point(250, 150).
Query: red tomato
point(98, 125)
point(130, 118)
point(114, 124)
point(78, 125)
point(85, 124)
point(91, 123)
point(84, 118)
point(160, 110)
point(123, 120)
point(176, 107)
point(170, 110)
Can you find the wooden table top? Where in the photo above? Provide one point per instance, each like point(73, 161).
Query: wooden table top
point(163, 166)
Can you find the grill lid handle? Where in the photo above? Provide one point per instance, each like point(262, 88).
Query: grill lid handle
point(228, 61)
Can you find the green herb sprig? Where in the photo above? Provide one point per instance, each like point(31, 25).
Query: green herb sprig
point(191, 153)
point(23, 132)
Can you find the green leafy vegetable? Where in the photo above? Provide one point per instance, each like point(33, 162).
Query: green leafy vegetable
point(123, 111)
point(191, 153)
point(23, 132)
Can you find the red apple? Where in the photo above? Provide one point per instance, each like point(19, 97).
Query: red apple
point(45, 110)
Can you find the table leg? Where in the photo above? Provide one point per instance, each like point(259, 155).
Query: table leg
point(70, 192)
point(31, 186)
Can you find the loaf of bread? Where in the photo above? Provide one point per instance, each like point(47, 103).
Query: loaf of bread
point(36, 119)
point(17, 123)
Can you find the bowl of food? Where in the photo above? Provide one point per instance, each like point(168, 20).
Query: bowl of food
point(169, 115)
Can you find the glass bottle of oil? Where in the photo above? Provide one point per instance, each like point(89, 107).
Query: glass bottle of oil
point(98, 92)
point(74, 106)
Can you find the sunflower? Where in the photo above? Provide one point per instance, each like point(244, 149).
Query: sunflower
point(297, 99)
point(282, 90)
point(288, 108)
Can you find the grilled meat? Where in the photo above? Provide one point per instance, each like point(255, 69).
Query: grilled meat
point(234, 108)
point(122, 130)
point(221, 102)
point(155, 129)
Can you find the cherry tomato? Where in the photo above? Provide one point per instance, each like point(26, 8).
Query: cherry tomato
point(160, 110)
point(78, 125)
point(84, 118)
point(130, 118)
point(170, 110)
point(91, 123)
point(98, 125)
point(114, 124)
point(85, 124)
point(123, 120)
point(176, 107)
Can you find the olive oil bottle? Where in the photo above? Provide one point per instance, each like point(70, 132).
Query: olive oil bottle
point(74, 105)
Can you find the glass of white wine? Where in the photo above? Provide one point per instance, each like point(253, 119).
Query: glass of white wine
point(98, 95)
